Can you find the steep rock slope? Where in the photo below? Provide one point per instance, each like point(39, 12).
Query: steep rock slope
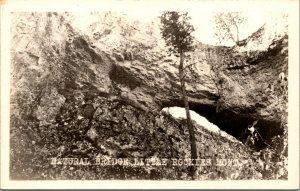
point(74, 85)
point(242, 81)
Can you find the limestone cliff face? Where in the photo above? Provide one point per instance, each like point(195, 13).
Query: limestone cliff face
point(250, 87)
point(58, 65)
point(115, 56)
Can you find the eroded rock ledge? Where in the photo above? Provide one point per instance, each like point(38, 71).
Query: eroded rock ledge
point(58, 69)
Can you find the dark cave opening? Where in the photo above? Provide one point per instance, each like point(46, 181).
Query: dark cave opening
point(236, 124)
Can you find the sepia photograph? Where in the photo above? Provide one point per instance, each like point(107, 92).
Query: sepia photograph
point(153, 95)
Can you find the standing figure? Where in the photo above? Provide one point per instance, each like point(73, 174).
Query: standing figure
point(252, 134)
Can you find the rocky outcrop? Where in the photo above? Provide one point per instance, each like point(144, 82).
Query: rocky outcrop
point(119, 130)
point(139, 68)
point(58, 66)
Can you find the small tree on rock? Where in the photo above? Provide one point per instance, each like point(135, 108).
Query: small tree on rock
point(227, 26)
point(176, 31)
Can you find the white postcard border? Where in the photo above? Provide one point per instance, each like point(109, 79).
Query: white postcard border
point(122, 5)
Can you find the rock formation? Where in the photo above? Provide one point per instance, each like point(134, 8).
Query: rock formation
point(57, 64)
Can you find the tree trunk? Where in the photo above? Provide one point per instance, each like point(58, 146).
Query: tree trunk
point(237, 34)
point(188, 116)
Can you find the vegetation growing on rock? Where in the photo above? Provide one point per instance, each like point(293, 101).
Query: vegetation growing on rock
point(67, 102)
point(176, 31)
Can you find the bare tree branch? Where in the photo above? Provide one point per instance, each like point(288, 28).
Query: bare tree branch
point(223, 24)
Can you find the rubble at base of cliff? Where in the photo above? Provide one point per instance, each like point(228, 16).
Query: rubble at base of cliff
point(85, 98)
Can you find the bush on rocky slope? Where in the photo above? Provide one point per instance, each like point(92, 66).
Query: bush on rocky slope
point(57, 70)
point(118, 130)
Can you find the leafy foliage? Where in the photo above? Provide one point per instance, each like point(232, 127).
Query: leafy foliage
point(176, 30)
